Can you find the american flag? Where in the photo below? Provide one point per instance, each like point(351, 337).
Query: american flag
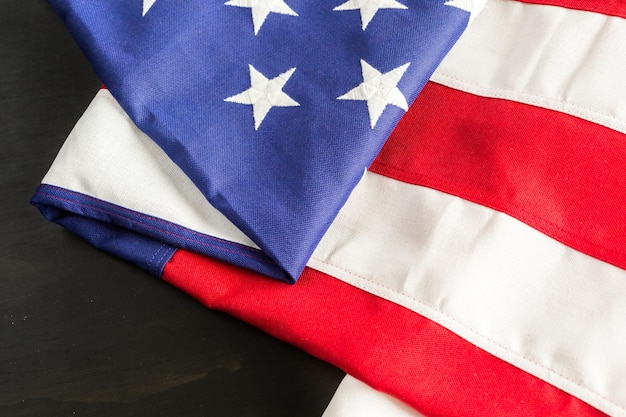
point(476, 269)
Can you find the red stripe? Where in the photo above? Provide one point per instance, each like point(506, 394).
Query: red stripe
point(385, 345)
point(608, 7)
point(559, 174)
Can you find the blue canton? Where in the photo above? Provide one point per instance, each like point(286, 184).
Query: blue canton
point(272, 107)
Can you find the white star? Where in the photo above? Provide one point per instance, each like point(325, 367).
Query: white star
point(369, 8)
point(264, 94)
point(378, 90)
point(261, 8)
point(146, 5)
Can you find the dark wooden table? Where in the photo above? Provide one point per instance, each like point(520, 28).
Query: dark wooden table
point(83, 333)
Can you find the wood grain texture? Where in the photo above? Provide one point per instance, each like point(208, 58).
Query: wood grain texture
point(83, 333)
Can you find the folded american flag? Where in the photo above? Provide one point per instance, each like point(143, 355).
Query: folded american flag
point(272, 108)
point(477, 269)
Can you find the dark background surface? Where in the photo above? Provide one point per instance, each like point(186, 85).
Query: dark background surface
point(85, 334)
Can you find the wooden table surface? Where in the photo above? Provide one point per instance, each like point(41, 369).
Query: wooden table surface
point(83, 333)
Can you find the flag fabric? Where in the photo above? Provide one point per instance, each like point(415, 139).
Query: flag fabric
point(355, 399)
point(478, 267)
point(272, 108)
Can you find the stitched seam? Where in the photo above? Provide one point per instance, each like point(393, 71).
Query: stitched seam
point(132, 212)
point(524, 216)
point(505, 93)
point(166, 254)
point(150, 264)
point(136, 213)
point(119, 216)
point(465, 326)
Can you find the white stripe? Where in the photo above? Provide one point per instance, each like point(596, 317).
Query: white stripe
point(353, 398)
point(526, 298)
point(552, 311)
point(552, 57)
point(108, 157)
